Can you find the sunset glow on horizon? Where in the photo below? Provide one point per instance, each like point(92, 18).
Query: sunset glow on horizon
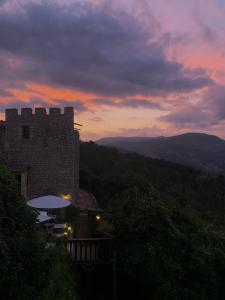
point(128, 67)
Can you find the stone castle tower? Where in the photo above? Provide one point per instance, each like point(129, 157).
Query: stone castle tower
point(42, 149)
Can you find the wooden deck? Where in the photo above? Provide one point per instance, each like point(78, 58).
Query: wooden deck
point(91, 250)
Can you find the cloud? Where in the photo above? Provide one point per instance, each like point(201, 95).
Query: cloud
point(189, 116)
point(206, 32)
point(209, 111)
point(127, 103)
point(104, 102)
point(96, 119)
point(139, 103)
point(214, 100)
point(91, 49)
point(3, 2)
point(14, 103)
point(141, 132)
point(5, 93)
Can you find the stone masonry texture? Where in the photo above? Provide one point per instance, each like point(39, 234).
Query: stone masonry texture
point(43, 148)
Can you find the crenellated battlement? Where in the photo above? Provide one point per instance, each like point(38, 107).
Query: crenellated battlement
point(39, 111)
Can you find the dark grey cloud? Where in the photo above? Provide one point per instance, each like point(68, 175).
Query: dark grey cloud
point(209, 111)
point(90, 49)
point(191, 116)
point(214, 101)
point(128, 103)
point(2, 2)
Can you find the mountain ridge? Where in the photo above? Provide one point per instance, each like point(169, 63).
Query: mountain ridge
point(199, 150)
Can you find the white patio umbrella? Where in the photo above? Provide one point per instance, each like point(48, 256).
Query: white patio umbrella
point(48, 202)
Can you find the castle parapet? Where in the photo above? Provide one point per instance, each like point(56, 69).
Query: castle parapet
point(40, 111)
point(11, 113)
point(26, 112)
point(68, 110)
point(54, 111)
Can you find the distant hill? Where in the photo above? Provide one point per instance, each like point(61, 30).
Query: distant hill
point(199, 150)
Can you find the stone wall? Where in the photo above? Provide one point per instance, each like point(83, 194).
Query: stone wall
point(2, 139)
point(46, 147)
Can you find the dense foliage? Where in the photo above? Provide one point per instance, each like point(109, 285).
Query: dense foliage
point(168, 220)
point(28, 270)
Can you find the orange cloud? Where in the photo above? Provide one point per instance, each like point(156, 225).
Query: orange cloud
point(49, 94)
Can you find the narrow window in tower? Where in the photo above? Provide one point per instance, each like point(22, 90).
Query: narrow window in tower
point(26, 132)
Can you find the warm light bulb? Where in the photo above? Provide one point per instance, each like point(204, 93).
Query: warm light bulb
point(98, 217)
point(69, 228)
point(67, 197)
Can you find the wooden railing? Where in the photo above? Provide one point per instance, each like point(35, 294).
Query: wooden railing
point(91, 250)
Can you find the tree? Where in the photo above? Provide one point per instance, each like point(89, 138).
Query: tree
point(28, 270)
point(169, 252)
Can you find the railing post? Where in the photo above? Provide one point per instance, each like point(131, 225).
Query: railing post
point(114, 277)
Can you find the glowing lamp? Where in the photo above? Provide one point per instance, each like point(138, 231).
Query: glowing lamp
point(67, 197)
point(98, 217)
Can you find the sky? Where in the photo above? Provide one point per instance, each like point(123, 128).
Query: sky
point(128, 67)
